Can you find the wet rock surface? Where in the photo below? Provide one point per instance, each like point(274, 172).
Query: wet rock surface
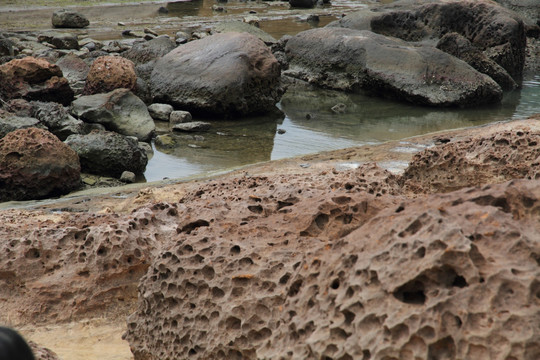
point(356, 61)
point(223, 74)
point(495, 30)
point(34, 164)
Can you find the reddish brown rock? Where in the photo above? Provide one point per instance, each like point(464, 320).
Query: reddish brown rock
point(108, 73)
point(34, 79)
point(35, 164)
point(491, 158)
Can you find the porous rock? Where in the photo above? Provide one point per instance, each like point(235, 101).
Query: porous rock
point(35, 164)
point(69, 19)
point(489, 158)
point(75, 70)
point(497, 31)
point(119, 110)
point(108, 73)
point(362, 61)
point(34, 79)
point(108, 153)
point(223, 74)
point(344, 274)
point(42, 353)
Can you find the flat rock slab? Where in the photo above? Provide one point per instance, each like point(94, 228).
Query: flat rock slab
point(192, 126)
point(362, 61)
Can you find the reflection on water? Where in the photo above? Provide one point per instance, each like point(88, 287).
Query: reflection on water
point(311, 126)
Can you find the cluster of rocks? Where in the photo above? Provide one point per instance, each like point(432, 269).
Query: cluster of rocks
point(352, 264)
point(448, 53)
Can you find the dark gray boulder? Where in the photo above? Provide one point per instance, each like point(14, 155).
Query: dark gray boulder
point(362, 61)
point(458, 46)
point(495, 30)
point(108, 153)
point(10, 122)
point(60, 40)
point(57, 119)
point(223, 74)
point(119, 110)
point(303, 3)
point(69, 19)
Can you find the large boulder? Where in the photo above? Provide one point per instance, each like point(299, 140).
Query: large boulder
point(119, 110)
point(69, 19)
point(362, 61)
point(222, 74)
point(527, 8)
point(60, 40)
point(240, 26)
point(108, 153)
point(108, 73)
point(35, 164)
point(497, 31)
point(34, 79)
point(145, 54)
point(458, 46)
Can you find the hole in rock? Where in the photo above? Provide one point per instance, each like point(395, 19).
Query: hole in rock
point(257, 209)
point(335, 284)
point(235, 250)
point(411, 293)
point(194, 225)
point(442, 349)
point(295, 288)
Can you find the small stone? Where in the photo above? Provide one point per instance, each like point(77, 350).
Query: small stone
point(160, 111)
point(128, 177)
point(313, 18)
point(163, 10)
point(252, 20)
point(121, 23)
point(339, 108)
point(88, 179)
point(166, 141)
point(192, 126)
point(150, 31)
point(305, 166)
point(148, 37)
point(178, 117)
point(218, 8)
point(309, 116)
point(281, 131)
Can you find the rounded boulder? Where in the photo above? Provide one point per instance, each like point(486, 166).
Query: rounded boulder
point(108, 73)
point(69, 19)
point(223, 74)
point(35, 164)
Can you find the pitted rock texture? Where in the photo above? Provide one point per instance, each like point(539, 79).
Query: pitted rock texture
point(34, 79)
point(41, 353)
point(35, 164)
point(108, 73)
point(443, 277)
point(492, 158)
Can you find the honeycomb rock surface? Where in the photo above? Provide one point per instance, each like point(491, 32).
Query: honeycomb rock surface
point(449, 276)
point(491, 158)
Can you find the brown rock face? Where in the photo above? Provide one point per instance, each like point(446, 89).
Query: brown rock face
point(108, 73)
point(497, 157)
point(35, 164)
point(34, 79)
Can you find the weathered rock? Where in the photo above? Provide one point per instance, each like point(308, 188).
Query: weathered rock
point(108, 153)
point(128, 177)
point(239, 26)
point(42, 353)
point(34, 79)
point(75, 70)
point(34, 164)
point(528, 8)
point(6, 47)
point(60, 40)
point(223, 74)
point(108, 73)
point(118, 110)
point(458, 46)
point(180, 116)
point(57, 119)
point(303, 3)
point(148, 52)
point(362, 61)
point(160, 111)
point(490, 158)
point(69, 19)
point(10, 122)
point(497, 31)
point(192, 126)
point(343, 276)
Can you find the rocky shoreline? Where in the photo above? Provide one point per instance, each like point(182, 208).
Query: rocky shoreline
point(323, 256)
